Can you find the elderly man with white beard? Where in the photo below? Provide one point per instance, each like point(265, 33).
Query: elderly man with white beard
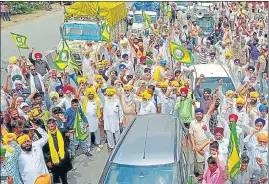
point(147, 105)
point(113, 116)
point(68, 97)
point(258, 154)
point(128, 104)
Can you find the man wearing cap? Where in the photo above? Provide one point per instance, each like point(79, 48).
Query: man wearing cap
point(197, 136)
point(23, 110)
point(113, 117)
point(41, 66)
point(31, 161)
point(10, 153)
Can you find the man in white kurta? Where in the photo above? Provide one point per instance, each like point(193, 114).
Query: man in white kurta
point(147, 106)
point(31, 161)
point(113, 117)
point(92, 111)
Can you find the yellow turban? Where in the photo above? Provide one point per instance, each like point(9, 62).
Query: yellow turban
point(13, 60)
point(111, 91)
point(99, 65)
point(254, 94)
point(105, 62)
point(240, 100)
point(128, 87)
point(228, 54)
point(229, 92)
point(53, 94)
point(98, 76)
point(227, 41)
point(5, 141)
point(81, 79)
point(108, 45)
point(243, 12)
point(174, 84)
point(146, 95)
point(90, 91)
point(163, 84)
point(43, 179)
point(140, 44)
point(86, 52)
point(23, 139)
point(33, 113)
point(262, 137)
point(124, 44)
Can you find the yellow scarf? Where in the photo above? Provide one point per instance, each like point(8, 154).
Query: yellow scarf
point(86, 100)
point(53, 152)
point(157, 73)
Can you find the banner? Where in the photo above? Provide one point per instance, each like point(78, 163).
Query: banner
point(81, 132)
point(20, 41)
point(180, 53)
point(234, 158)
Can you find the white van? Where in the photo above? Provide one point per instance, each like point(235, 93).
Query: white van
point(213, 74)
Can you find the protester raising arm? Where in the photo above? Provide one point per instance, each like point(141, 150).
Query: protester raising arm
point(5, 86)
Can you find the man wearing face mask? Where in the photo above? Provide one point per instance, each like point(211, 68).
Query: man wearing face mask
point(31, 161)
point(258, 154)
point(128, 104)
point(113, 117)
point(41, 66)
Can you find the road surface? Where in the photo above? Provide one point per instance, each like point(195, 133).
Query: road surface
point(42, 34)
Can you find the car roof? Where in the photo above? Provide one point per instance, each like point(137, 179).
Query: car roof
point(151, 140)
point(210, 70)
point(151, 13)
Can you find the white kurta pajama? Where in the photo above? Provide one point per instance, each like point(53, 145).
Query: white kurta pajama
point(91, 115)
point(113, 116)
point(32, 164)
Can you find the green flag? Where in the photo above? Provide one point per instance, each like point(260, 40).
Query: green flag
point(20, 41)
point(81, 132)
point(147, 20)
point(105, 36)
point(180, 53)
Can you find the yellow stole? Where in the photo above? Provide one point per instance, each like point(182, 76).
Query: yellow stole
point(85, 102)
point(53, 152)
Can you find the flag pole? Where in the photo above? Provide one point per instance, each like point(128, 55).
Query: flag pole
point(19, 51)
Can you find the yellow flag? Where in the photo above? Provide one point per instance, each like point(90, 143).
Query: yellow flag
point(20, 41)
point(105, 33)
point(180, 53)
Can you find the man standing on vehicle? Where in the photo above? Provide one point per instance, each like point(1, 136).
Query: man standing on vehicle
point(41, 66)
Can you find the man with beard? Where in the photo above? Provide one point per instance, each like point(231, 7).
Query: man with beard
point(258, 154)
point(31, 161)
point(35, 80)
point(56, 153)
point(68, 96)
point(236, 71)
point(54, 81)
point(59, 90)
point(263, 113)
point(92, 108)
point(128, 104)
point(113, 116)
point(41, 66)
point(54, 100)
point(147, 105)
point(205, 97)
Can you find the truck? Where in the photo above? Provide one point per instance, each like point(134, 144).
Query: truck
point(152, 9)
point(85, 21)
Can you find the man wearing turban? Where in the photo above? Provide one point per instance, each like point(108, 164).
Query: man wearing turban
point(68, 96)
point(42, 67)
point(113, 117)
point(92, 108)
point(32, 153)
point(147, 106)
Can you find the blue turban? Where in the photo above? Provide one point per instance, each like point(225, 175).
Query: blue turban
point(58, 88)
point(263, 108)
point(199, 110)
point(260, 120)
point(124, 55)
point(163, 62)
point(207, 90)
point(251, 68)
point(122, 66)
point(161, 41)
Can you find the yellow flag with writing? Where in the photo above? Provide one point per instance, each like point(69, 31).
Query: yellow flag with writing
point(20, 41)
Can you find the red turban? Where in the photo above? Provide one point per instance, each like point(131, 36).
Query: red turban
point(143, 58)
point(218, 130)
point(38, 55)
point(233, 117)
point(67, 88)
point(184, 91)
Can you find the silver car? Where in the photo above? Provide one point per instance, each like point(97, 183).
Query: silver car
point(149, 152)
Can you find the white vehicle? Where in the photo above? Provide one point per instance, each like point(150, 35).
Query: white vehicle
point(139, 23)
point(213, 74)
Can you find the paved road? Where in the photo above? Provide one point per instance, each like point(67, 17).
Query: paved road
point(42, 34)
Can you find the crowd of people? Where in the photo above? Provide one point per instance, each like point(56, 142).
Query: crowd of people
point(136, 75)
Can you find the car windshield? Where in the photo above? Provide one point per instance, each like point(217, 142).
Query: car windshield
point(205, 23)
point(158, 174)
point(213, 83)
point(81, 30)
point(140, 19)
